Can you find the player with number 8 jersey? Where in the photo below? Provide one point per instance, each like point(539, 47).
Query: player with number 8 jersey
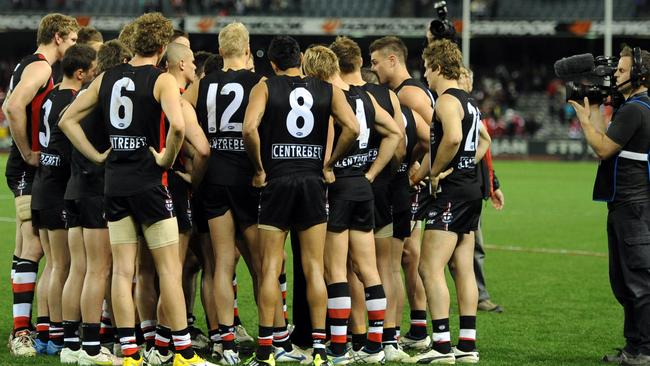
point(285, 131)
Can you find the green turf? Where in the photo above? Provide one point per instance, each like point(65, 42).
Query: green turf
point(558, 308)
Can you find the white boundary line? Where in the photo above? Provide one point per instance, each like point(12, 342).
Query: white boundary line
point(508, 248)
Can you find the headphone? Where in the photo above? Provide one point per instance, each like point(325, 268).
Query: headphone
point(639, 72)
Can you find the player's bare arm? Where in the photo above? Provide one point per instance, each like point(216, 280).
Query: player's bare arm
point(423, 134)
point(484, 142)
point(345, 118)
point(16, 104)
point(252, 119)
point(70, 122)
point(416, 99)
point(400, 152)
point(167, 94)
point(197, 142)
point(392, 135)
point(450, 113)
point(192, 93)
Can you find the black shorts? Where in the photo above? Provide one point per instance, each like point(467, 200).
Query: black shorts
point(460, 217)
point(352, 215)
point(21, 184)
point(180, 192)
point(87, 212)
point(420, 201)
point(242, 201)
point(146, 208)
point(51, 218)
point(293, 202)
point(199, 222)
point(383, 209)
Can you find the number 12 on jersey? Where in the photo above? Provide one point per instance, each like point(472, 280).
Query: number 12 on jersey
point(225, 124)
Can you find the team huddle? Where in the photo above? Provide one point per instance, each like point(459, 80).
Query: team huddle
point(149, 163)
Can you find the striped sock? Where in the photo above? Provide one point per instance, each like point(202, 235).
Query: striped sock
point(163, 337)
point(14, 261)
point(418, 324)
point(183, 343)
point(235, 309)
point(43, 328)
point(376, 305)
point(215, 335)
point(283, 289)
point(90, 335)
point(467, 334)
point(441, 337)
point(227, 336)
point(23, 289)
point(339, 306)
point(56, 333)
point(281, 338)
point(318, 341)
point(106, 330)
point(149, 330)
point(71, 335)
point(127, 342)
point(264, 342)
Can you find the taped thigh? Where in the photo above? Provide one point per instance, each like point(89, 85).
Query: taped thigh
point(123, 231)
point(384, 232)
point(24, 207)
point(162, 233)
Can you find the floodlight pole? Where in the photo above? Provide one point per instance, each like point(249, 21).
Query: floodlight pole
point(609, 13)
point(466, 32)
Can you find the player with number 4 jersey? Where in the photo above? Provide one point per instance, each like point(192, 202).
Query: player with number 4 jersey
point(285, 133)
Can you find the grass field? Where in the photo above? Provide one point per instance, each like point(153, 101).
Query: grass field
point(559, 309)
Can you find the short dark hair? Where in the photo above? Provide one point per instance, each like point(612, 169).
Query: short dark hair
point(212, 64)
point(200, 58)
point(111, 54)
point(284, 52)
point(89, 34)
point(348, 53)
point(79, 56)
point(390, 44)
point(628, 51)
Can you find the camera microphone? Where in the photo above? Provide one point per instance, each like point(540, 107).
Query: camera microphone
point(574, 66)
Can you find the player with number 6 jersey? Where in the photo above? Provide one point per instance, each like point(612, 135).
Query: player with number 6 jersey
point(285, 133)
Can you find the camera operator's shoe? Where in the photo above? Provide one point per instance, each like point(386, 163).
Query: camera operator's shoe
point(465, 357)
point(488, 305)
point(411, 343)
point(618, 357)
point(638, 360)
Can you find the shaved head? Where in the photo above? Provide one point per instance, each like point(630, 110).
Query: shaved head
point(177, 52)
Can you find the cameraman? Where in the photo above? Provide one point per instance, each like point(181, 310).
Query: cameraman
point(623, 182)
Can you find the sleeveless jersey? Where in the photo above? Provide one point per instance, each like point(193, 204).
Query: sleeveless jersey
point(54, 169)
point(351, 183)
point(411, 137)
point(220, 108)
point(418, 84)
point(382, 96)
point(15, 163)
point(134, 121)
point(293, 132)
point(462, 184)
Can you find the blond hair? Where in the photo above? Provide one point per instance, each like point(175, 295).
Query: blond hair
point(320, 62)
point(53, 24)
point(444, 54)
point(176, 53)
point(233, 40)
point(126, 35)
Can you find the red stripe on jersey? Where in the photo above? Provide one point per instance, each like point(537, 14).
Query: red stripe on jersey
point(36, 105)
point(163, 137)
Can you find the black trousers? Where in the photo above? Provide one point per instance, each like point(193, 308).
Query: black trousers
point(628, 234)
point(301, 335)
